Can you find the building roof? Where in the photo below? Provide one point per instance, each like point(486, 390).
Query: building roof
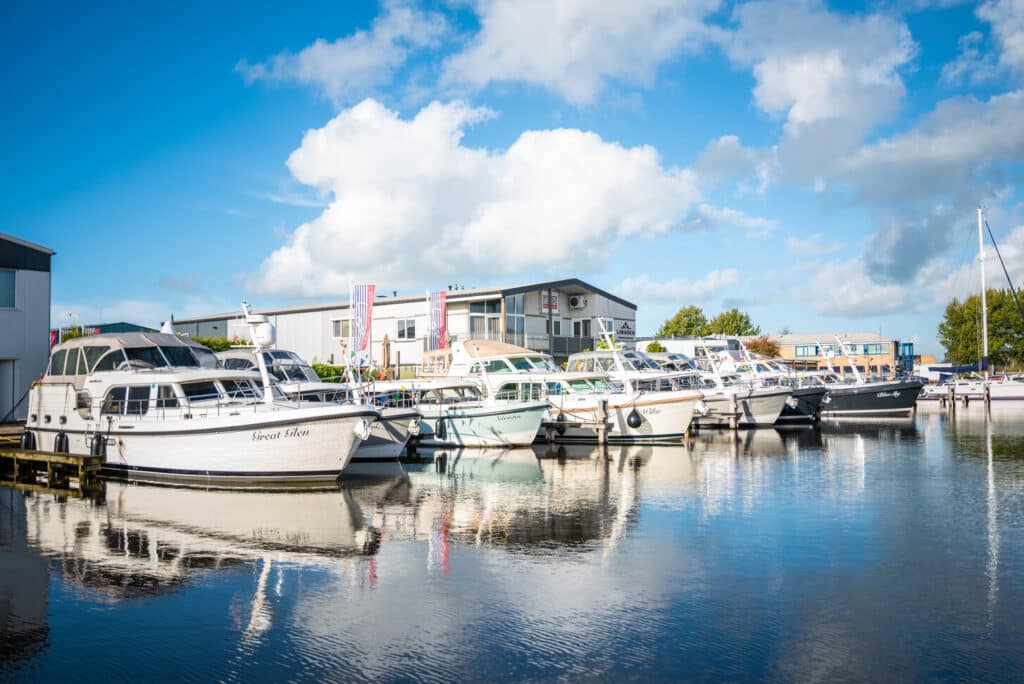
point(23, 255)
point(567, 285)
point(830, 338)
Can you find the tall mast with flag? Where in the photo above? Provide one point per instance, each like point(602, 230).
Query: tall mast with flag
point(438, 302)
point(361, 317)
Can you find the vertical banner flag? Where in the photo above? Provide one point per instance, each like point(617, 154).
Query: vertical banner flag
point(438, 319)
point(362, 315)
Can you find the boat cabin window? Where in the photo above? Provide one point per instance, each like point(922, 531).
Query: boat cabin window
point(521, 391)
point(81, 368)
point(127, 401)
point(542, 363)
point(395, 399)
point(180, 357)
point(205, 357)
point(144, 357)
point(578, 366)
point(497, 366)
point(110, 362)
point(449, 395)
point(165, 397)
point(92, 355)
point(520, 363)
point(555, 389)
point(239, 364)
point(200, 391)
point(57, 363)
point(580, 385)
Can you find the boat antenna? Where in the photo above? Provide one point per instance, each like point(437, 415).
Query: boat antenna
point(853, 364)
point(984, 302)
point(828, 360)
point(251, 322)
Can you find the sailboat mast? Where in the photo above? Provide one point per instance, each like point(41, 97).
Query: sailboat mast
point(984, 302)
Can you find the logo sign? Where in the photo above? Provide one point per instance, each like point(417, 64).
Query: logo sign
point(548, 302)
point(625, 332)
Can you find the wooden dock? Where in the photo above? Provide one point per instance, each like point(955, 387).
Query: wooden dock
point(51, 470)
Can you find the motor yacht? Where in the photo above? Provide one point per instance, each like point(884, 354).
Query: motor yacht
point(454, 412)
point(861, 397)
point(635, 414)
point(297, 380)
point(157, 406)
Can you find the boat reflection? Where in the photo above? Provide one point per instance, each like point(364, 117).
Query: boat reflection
point(143, 539)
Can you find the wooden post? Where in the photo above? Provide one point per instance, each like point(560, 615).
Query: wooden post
point(602, 429)
point(733, 411)
point(951, 391)
point(988, 396)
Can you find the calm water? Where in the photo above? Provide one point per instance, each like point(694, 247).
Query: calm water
point(872, 551)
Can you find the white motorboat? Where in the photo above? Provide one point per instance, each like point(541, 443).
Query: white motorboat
point(635, 414)
point(455, 412)
point(297, 380)
point(156, 406)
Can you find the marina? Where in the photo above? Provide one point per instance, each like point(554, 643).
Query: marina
point(864, 551)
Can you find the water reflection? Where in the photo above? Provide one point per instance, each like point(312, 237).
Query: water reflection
point(23, 590)
point(861, 551)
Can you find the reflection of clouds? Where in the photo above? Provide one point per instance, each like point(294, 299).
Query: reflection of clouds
point(992, 567)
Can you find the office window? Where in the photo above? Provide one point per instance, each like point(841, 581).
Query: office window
point(806, 350)
point(340, 329)
point(6, 289)
point(407, 329)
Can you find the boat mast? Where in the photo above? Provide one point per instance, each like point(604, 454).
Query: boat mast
point(984, 303)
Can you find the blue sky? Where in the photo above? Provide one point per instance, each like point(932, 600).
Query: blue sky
point(815, 164)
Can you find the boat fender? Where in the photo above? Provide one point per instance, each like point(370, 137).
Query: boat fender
point(634, 419)
point(792, 402)
point(28, 441)
point(362, 429)
point(99, 445)
point(440, 432)
point(561, 424)
point(60, 443)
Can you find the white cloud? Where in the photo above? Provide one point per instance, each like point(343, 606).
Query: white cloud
point(813, 65)
point(971, 63)
point(726, 159)
point(642, 290)
point(1007, 20)
point(345, 68)
point(411, 204)
point(574, 47)
point(707, 217)
point(812, 244)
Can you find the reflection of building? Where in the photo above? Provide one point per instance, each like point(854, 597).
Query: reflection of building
point(560, 317)
point(24, 321)
point(23, 584)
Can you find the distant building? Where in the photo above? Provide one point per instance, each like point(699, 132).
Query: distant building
point(98, 328)
point(560, 317)
point(24, 321)
point(870, 352)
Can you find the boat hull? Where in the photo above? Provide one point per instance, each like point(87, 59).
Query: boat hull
point(805, 405)
point(388, 437)
point(515, 424)
point(872, 399)
point(757, 408)
point(665, 418)
point(300, 445)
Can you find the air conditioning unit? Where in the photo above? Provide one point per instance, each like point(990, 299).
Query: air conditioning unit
point(577, 302)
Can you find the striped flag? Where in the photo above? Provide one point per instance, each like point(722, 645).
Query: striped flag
point(438, 319)
point(362, 315)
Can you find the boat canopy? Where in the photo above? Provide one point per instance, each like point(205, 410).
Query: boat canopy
point(127, 351)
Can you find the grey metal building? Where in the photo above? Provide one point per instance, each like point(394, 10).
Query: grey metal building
point(24, 321)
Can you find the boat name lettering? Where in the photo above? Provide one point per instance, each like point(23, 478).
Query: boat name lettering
point(882, 395)
point(650, 411)
point(291, 432)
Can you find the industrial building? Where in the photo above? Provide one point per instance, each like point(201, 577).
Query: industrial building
point(24, 321)
point(559, 317)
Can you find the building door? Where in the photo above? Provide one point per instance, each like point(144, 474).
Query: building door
point(7, 397)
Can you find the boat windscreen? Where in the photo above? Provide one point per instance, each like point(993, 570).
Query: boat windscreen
point(180, 357)
point(145, 357)
point(520, 363)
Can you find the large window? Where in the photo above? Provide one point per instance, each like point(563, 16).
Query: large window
point(407, 328)
point(340, 328)
point(485, 320)
point(581, 328)
point(874, 348)
point(806, 350)
point(6, 289)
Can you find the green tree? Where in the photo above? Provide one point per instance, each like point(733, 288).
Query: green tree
point(763, 345)
point(73, 333)
point(689, 321)
point(732, 322)
point(601, 344)
point(655, 347)
point(960, 330)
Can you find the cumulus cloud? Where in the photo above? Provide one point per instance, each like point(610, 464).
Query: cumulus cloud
point(725, 159)
point(410, 203)
point(347, 67)
point(574, 47)
point(642, 289)
point(1007, 20)
point(972, 63)
point(812, 244)
point(814, 65)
